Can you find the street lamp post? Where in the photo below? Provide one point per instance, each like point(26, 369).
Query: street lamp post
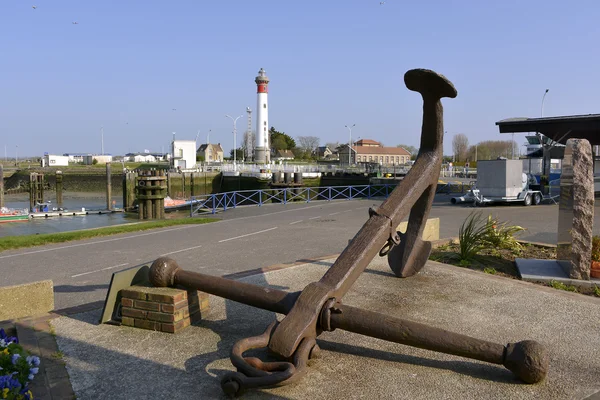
point(350, 144)
point(543, 99)
point(234, 139)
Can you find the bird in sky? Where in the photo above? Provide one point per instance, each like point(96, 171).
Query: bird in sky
point(381, 3)
point(34, 7)
point(174, 109)
point(75, 23)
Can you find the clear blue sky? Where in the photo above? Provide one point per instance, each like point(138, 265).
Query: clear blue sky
point(127, 64)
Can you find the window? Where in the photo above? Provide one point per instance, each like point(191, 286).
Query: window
point(265, 105)
point(381, 159)
point(387, 159)
point(370, 158)
point(265, 123)
point(358, 158)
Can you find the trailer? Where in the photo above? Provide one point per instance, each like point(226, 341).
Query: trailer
point(503, 181)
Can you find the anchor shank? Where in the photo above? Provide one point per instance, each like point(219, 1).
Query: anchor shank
point(415, 334)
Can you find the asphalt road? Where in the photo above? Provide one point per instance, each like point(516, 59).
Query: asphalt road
point(243, 238)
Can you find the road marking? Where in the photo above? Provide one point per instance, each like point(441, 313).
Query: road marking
point(315, 217)
point(341, 212)
point(335, 213)
point(179, 251)
point(247, 234)
point(296, 222)
point(96, 242)
point(103, 269)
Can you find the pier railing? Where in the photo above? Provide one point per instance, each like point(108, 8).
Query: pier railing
point(214, 203)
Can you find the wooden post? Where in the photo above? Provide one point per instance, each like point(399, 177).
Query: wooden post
point(59, 189)
point(31, 191)
point(169, 192)
point(108, 187)
point(1, 186)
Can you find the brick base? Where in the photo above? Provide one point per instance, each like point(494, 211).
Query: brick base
point(162, 309)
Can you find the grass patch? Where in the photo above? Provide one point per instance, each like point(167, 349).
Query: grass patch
point(58, 355)
point(17, 242)
point(561, 286)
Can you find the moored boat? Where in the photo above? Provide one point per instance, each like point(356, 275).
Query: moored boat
point(10, 215)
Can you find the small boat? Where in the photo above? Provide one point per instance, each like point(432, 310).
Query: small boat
point(10, 215)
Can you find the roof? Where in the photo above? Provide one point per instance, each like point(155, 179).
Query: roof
point(363, 142)
point(215, 147)
point(384, 151)
point(284, 154)
point(559, 129)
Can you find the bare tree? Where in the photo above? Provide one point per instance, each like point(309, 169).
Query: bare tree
point(460, 147)
point(308, 143)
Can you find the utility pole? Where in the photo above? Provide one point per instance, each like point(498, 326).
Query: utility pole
point(350, 144)
point(102, 138)
point(234, 139)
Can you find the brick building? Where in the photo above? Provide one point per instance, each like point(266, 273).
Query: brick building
point(370, 151)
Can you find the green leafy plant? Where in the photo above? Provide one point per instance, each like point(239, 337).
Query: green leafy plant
point(501, 235)
point(489, 270)
point(471, 236)
point(596, 248)
point(596, 291)
point(562, 286)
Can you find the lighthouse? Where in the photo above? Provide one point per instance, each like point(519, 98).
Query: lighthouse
point(262, 153)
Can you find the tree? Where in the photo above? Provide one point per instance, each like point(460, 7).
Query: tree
point(308, 143)
point(492, 149)
point(414, 151)
point(94, 161)
point(280, 141)
point(239, 153)
point(460, 147)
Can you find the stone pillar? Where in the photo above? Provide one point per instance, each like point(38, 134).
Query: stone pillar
point(59, 189)
point(576, 210)
point(108, 187)
point(1, 186)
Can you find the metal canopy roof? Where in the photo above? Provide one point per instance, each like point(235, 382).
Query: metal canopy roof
point(558, 129)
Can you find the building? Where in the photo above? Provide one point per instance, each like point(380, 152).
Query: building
point(50, 160)
point(75, 157)
point(183, 154)
point(262, 145)
point(370, 151)
point(211, 152)
point(140, 157)
point(283, 155)
point(324, 152)
point(100, 159)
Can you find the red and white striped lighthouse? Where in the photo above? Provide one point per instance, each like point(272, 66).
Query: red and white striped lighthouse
point(262, 153)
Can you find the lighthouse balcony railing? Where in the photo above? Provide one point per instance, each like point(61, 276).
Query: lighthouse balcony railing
point(219, 202)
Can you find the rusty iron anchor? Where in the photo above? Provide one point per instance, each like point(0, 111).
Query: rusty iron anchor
point(318, 307)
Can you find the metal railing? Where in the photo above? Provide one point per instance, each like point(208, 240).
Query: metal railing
point(218, 202)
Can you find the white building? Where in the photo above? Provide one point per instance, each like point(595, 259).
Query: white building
point(50, 160)
point(143, 158)
point(261, 149)
point(100, 159)
point(75, 157)
point(183, 154)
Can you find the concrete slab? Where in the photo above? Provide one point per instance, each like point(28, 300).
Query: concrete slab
point(29, 299)
point(105, 361)
point(534, 270)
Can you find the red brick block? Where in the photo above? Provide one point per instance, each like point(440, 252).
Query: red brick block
point(146, 324)
point(176, 326)
point(146, 305)
point(127, 302)
point(167, 317)
point(133, 292)
point(169, 298)
point(171, 308)
point(134, 313)
point(127, 321)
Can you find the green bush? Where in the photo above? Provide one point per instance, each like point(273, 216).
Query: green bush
point(471, 236)
point(596, 248)
point(501, 235)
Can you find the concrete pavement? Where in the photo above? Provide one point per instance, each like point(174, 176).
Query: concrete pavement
point(124, 363)
point(245, 238)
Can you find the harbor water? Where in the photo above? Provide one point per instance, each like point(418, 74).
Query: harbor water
point(88, 201)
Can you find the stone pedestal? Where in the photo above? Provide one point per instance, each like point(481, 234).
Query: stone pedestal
point(576, 210)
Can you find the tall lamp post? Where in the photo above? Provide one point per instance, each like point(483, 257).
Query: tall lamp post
point(350, 144)
point(544, 99)
point(540, 135)
point(234, 139)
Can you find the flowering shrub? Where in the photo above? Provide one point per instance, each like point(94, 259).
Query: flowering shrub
point(17, 369)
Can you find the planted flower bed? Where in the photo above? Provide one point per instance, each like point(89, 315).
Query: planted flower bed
point(17, 369)
point(490, 246)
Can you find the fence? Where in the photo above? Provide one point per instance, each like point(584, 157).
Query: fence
point(218, 202)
